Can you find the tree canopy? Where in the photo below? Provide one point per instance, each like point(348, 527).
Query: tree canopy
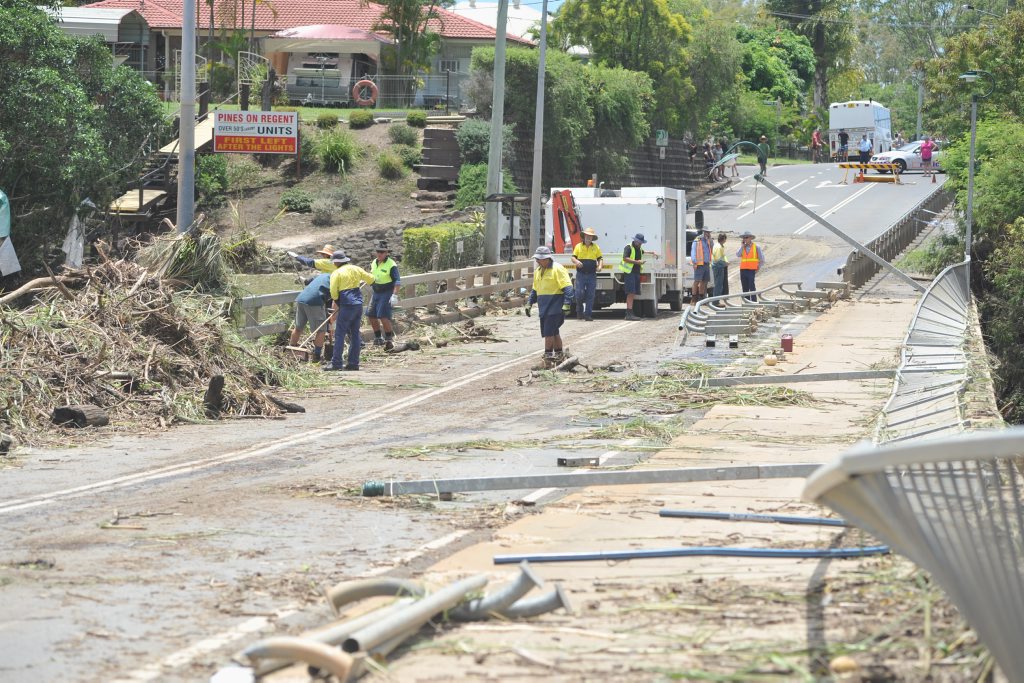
point(406, 21)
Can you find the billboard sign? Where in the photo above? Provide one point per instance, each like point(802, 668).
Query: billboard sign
point(256, 132)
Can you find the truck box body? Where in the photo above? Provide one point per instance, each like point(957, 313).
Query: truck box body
point(861, 117)
point(659, 213)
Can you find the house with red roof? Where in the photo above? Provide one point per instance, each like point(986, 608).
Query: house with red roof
point(316, 43)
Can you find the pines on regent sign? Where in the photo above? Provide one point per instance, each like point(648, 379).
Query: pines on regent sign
point(256, 132)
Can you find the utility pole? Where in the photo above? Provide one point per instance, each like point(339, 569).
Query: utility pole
point(492, 239)
point(920, 103)
point(538, 134)
point(187, 122)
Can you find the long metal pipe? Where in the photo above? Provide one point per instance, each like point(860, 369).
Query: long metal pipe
point(314, 653)
point(578, 479)
point(353, 591)
point(412, 617)
point(524, 609)
point(618, 555)
point(750, 517)
point(743, 380)
point(499, 600)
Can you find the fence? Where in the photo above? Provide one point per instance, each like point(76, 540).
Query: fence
point(443, 287)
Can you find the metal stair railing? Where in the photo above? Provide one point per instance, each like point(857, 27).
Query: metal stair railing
point(955, 507)
point(697, 317)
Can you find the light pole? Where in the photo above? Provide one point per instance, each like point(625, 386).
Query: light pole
point(972, 8)
point(971, 77)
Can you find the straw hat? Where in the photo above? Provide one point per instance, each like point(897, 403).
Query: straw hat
point(327, 251)
point(591, 232)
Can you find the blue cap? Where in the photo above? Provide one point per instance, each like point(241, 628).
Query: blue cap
point(639, 238)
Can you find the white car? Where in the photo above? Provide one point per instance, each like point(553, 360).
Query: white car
point(908, 157)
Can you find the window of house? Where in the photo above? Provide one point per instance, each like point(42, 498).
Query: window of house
point(444, 65)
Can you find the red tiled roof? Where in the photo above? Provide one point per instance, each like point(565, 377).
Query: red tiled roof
point(285, 14)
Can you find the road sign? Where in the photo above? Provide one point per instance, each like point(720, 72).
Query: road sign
point(661, 138)
point(256, 132)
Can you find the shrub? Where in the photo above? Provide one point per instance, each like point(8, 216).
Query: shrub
point(390, 166)
point(326, 120)
point(360, 118)
point(410, 156)
point(473, 185)
point(418, 246)
point(416, 119)
point(474, 138)
point(336, 150)
point(296, 200)
point(211, 176)
point(244, 174)
point(402, 134)
point(328, 204)
point(324, 211)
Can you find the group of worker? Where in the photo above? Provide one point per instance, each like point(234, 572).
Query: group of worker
point(338, 287)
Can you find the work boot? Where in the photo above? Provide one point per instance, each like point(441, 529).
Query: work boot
point(378, 341)
point(389, 342)
point(631, 316)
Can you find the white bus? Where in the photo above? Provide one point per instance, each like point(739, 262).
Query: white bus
point(859, 118)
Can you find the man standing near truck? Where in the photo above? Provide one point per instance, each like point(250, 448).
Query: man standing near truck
point(632, 264)
point(700, 256)
point(587, 258)
point(751, 259)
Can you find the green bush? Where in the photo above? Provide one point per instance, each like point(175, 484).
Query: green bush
point(325, 212)
point(308, 146)
point(244, 173)
point(360, 118)
point(402, 134)
point(418, 247)
point(410, 156)
point(326, 120)
point(474, 138)
point(416, 119)
point(336, 150)
point(390, 166)
point(473, 185)
point(297, 200)
point(211, 176)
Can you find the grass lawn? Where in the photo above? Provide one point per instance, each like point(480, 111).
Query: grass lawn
point(751, 160)
point(307, 114)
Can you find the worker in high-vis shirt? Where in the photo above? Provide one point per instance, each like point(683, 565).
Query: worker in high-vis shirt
point(324, 265)
point(348, 306)
point(385, 279)
point(552, 292)
point(587, 258)
point(700, 256)
point(631, 265)
point(751, 259)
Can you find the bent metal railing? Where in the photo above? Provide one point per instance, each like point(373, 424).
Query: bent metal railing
point(423, 290)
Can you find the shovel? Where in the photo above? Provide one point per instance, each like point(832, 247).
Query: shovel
point(302, 351)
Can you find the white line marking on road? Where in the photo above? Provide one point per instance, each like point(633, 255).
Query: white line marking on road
point(534, 496)
point(305, 437)
point(811, 223)
point(766, 203)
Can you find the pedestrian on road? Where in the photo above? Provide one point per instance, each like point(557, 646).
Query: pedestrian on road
point(720, 267)
point(348, 309)
point(751, 259)
point(816, 145)
point(762, 154)
point(700, 257)
point(864, 147)
point(632, 265)
point(385, 279)
point(324, 265)
point(311, 309)
point(899, 141)
point(552, 292)
point(844, 145)
point(587, 258)
point(927, 147)
point(709, 161)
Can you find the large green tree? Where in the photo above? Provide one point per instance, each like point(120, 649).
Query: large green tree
point(638, 35)
point(407, 22)
point(72, 125)
point(777, 62)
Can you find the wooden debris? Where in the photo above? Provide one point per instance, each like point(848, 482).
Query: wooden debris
point(286, 406)
point(6, 444)
point(405, 346)
point(80, 416)
point(214, 397)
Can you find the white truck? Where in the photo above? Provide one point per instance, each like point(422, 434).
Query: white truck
point(857, 118)
point(659, 213)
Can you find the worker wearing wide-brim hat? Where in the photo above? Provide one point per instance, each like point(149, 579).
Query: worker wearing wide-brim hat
point(587, 258)
point(552, 292)
point(751, 258)
point(348, 306)
point(385, 279)
point(631, 266)
point(324, 265)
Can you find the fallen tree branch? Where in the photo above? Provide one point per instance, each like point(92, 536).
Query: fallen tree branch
point(38, 283)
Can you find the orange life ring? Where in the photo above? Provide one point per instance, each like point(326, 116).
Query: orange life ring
point(357, 93)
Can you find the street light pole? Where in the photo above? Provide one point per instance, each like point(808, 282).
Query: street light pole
point(971, 77)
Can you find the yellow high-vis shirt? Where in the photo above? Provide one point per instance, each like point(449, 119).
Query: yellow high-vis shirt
point(718, 254)
point(347, 279)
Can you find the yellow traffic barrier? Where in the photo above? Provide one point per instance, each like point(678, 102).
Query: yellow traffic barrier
point(862, 178)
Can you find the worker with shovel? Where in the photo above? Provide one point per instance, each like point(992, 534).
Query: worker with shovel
point(587, 258)
point(310, 308)
point(348, 305)
point(324, 265)
point(552, 292)
point(385, 279)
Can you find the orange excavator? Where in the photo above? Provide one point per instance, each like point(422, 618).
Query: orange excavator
point(566, 231)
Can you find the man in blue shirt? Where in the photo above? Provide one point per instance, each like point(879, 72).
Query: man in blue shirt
point(310, 307)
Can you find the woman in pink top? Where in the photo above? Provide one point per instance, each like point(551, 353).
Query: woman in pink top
point(926, 155)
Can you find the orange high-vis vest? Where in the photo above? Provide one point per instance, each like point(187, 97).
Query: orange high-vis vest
point(699, 253)
point(749, 258)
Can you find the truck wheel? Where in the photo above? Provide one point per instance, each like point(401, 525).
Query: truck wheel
point(649, 309)
point(676, 301)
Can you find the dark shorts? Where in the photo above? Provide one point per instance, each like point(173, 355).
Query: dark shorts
point(550, 324)
point(702, 273)
point(632, 282)
point(380, 306)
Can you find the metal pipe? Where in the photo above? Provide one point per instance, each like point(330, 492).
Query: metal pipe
point(618, 555)
point(579, 479)
point(414, 616)
point(534, 607)
point(853, 375)
point(499, 600)
point(353, 591)
point(320, 655)
point(751, 517)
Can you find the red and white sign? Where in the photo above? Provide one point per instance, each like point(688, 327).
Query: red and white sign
point(256, 132)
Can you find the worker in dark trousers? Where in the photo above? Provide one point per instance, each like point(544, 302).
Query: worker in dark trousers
point(385, 279)
point(348, 306)
point(552, 292)
point(632, 265)
point(751, 259)
point(587, 258)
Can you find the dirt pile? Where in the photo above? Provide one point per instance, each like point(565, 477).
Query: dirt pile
point(140, 347)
